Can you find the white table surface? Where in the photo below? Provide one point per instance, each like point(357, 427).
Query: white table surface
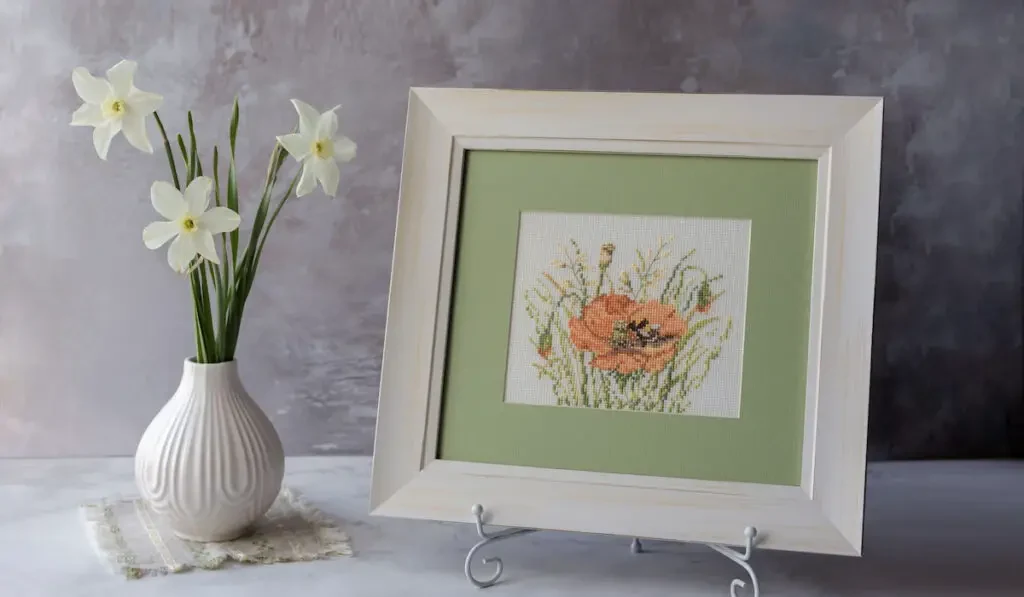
point(932, 529)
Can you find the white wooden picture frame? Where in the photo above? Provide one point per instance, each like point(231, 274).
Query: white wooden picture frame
point(824, 512)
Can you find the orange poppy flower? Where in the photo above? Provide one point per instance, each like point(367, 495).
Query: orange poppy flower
point(626, 336)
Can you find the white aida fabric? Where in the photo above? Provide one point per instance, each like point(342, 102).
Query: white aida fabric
point(629, 313)
point(131, 540)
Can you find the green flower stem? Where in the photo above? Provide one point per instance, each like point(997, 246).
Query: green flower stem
point(583, 386)
point(219, 292)
point(201, 291)
point(202, 346)
point(675, 271)
point(195, 169)
point(277, 210)
point(245, 271)
point(206, 316)
point(200, 351)
point(226, 268)
point(168, 151)
point(200, 296)
point(201, 355)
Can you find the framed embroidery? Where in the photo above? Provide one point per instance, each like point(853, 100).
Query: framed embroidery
point(654, 325)
point(633, 313)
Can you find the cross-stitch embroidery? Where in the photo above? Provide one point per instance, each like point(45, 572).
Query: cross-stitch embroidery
point(626, 332)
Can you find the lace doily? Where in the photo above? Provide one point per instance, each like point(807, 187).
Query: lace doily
point(133, 542)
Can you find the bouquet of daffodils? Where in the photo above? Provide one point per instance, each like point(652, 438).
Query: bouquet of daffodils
point(204, 241)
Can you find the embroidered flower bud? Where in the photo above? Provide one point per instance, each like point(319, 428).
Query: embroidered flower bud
point(544, 344)
point(627, 284)
point(605, 259)
point(704, 297)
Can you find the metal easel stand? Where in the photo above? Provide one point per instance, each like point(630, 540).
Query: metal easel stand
point(486, 538)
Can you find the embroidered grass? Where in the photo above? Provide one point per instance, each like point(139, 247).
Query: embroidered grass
point(642, 337)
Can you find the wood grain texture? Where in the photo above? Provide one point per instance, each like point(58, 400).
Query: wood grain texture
point(825, 513)
point(409, 339)
point(847, 307)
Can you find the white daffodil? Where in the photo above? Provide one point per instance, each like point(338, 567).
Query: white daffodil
point(189, 223)
point(113, 105)
point(316, 146)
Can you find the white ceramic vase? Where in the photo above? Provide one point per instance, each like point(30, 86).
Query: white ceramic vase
point(210, 463)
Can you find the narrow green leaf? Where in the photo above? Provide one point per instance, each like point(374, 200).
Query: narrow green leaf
point(193, 162)
point(208, 270)
point(233, 129)
point(232, 201)
point(239, 294)
point(232, 189)
point(206, 315)
point(200, 338)
point(184, 157)
point(215, 281)
point(225, 268)
point(198, 308)
point(216, 178)
point(200, 357)
point(168, 151)
point(257, 226)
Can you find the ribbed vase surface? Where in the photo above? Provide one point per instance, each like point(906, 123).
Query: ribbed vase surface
point(210, 463)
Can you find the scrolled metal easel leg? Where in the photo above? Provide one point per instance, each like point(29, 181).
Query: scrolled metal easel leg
point(485, 539)
point(740, 558)
point(743, 559)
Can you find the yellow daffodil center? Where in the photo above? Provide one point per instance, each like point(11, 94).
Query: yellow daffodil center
point(188, 224)
point(323, 148)
point(115, 108)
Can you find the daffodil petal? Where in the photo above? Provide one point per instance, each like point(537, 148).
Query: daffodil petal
point(307, 181)
point(197, 195)
point(167, 200)
point(297, 145)
point(134, 127)
point(102, 135)
point(91, 89)
point(219, 219)
point(203, 240)
point(327, 124)
point(308, 117)
point(120, 76)
point(327, 173)
point(87, 115)
point(143, 102)
point(344, 149)
point(158, 233)
point(181, 252)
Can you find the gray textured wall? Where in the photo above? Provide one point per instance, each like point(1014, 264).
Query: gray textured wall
point(93, 326)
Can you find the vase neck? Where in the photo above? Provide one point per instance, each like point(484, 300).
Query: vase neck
point(210, 375)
